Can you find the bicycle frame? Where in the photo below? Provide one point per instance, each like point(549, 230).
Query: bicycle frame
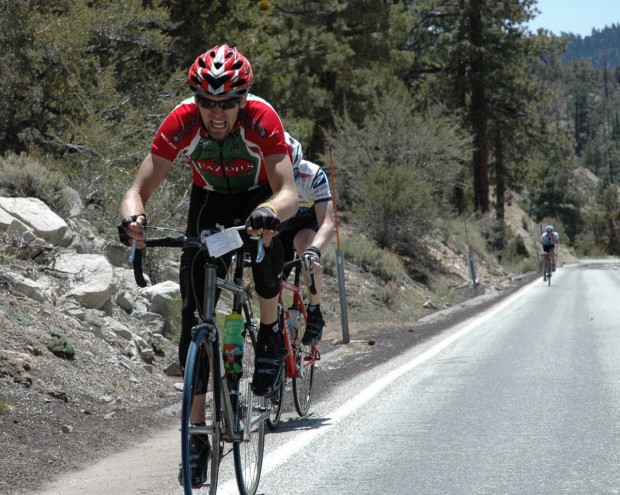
point(292, 370)
point(225, 407)
point(234, 412)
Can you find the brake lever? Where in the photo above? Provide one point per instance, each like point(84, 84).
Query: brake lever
point(132, 254)
point(260, 253)
point(134, 244)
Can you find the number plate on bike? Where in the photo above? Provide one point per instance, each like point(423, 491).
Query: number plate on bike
point(223, 242)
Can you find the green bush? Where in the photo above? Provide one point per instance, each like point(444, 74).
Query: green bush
point(60, 346)
point(25, 176)
point(367, 254)
point(515, 249)
point(174, 329)
point(4, 405)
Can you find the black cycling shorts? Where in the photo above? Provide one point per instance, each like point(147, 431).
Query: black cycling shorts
point(287, 235)
point(206, 209)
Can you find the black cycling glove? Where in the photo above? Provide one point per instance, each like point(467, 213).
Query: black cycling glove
point(263, 217)
point(124, 226)
point(314, 253)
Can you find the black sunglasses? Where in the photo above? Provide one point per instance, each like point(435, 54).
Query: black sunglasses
point(211, 104)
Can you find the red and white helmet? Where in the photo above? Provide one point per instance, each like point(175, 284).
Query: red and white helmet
point(221, 71)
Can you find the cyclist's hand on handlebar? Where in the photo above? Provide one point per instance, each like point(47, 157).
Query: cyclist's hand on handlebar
point(263, 218)
point(313, 255)
point(132, 228)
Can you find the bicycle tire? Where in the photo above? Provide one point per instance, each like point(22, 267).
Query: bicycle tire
point(302, 383)
point(248, 455)
point(198, 357)
point(275, 401)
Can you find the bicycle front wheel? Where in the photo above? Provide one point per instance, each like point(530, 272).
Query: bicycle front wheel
point(200, 395)
point(274, 402)
point(250, 417)
point(302, 383)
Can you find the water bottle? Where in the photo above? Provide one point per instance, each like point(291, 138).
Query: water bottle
point(293, 322)
point(232, 343)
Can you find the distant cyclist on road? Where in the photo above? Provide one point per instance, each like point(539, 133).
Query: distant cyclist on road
point(549, 241)
point(310, 230)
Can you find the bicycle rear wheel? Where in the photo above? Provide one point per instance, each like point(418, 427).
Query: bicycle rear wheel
point(302, 383)
point(200, 393)
point(248, 453)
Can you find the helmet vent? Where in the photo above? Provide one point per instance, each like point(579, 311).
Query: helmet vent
point(216, 82)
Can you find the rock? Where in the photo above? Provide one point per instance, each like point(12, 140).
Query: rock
point(429, 305)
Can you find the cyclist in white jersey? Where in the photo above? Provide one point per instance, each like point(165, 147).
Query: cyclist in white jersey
point(549, 241)
point(310, 230)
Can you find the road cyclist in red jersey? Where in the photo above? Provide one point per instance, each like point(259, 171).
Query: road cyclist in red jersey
point(241, 173)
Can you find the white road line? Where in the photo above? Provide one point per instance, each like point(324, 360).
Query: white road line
point(289, 449)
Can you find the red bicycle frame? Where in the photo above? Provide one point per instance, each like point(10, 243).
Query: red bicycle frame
point(309, 358)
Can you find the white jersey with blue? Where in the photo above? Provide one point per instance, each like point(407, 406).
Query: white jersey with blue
point(312, 187)
point(550, 240)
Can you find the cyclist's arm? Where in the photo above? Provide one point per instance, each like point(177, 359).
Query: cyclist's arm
point(325, 218)
point(284, 200)
point(150, 174)
point(280, 174)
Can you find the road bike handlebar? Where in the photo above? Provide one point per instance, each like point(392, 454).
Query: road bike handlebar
point(185, 241)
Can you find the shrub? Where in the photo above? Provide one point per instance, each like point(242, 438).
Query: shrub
point(60, 346)
point(368, 255)
point(4, 405)
point(25, 176)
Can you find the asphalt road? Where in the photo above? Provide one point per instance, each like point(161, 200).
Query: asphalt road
point(523, 398)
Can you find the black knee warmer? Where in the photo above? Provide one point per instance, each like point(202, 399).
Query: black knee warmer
point(267, 273)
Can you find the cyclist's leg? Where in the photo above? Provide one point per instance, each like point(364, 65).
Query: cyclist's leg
point(315, 323)
point(269, 364)
point(276, 399)
point(303, 239)
point(546, 256)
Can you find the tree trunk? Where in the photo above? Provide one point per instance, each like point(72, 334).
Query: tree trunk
point(478, 111)
point(500, 178)
point(500, 189)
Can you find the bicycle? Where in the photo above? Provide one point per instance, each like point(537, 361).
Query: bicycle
point(233, 415)
point(548, 264)
point(300, 360)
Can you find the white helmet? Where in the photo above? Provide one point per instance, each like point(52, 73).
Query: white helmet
point(549, 228)
point(295, 149)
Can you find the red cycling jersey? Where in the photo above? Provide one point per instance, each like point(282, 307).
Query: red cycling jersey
point(237, 164)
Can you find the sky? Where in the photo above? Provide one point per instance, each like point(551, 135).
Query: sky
point(575, 16)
